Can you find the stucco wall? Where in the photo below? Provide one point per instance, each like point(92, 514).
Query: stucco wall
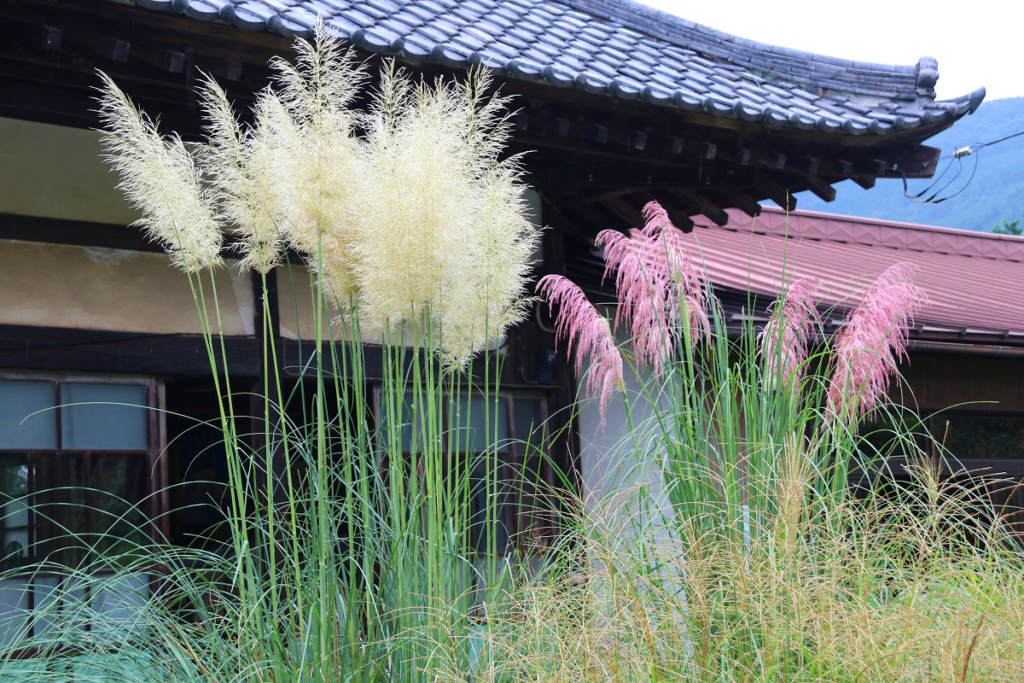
point(52, 285)
point(614, 458)
point(57, 172)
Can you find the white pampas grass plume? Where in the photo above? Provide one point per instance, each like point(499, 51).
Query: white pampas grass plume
point(159, 177)
point(407, 211)
point(442, 230)
point(316, 158)
point(242, 166)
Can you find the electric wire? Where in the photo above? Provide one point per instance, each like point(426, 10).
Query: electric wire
point(958, 156)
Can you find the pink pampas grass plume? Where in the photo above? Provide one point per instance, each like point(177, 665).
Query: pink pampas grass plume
point(580, 325)
point(784, 338)
point(872, 342)
point(656, 284)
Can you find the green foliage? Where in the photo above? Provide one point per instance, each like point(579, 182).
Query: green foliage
point(1009, 228)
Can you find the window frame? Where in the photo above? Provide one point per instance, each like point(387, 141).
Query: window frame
point(1002, 475)
point(156, 466)
point(517, 528)
point(1011, 467)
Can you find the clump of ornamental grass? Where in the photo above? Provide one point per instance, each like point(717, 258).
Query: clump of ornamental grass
point(763, 557)
point(345, 545)
point(876, 590)
point(408, 211)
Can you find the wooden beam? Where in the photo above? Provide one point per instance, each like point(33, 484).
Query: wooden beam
point(558, 127)
point(768, 158)
point(636, 141)
point(782, 196)
point(596, 217)
point(596, 198)
point(741, 200)
point(866, 182)
point(679, 219)
point(230, 70)
point(625, 211)
point(819, 187)
point(702, 205)
point(71, 349)
point(173, 61)
point(113, 49)
point(738, 155)
point(595, 132)
point(82, 233)
point(167, 59)
point(52, 38)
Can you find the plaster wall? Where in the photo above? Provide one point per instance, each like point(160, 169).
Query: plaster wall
point(616, 459)
point(54, 285)
point(57, 172)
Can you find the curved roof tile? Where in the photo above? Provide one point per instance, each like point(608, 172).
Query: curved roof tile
point(621, 48)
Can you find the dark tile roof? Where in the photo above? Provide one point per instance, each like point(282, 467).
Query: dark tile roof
point(620, 48)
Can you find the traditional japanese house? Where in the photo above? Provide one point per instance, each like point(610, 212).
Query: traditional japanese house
point(619, 104)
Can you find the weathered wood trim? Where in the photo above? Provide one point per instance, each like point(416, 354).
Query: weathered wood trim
point(98, 351)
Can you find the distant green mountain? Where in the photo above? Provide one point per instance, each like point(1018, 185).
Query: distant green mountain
point(994, 194)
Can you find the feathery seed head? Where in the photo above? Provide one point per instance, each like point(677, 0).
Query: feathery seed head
point(317, 157)
point(784, 339)
point(659, 290)
point(579, 324)
point(243, 172)
point(407, 209)
point(442, 228)
point(871, 343)
point(656, 219)
point(160, 179)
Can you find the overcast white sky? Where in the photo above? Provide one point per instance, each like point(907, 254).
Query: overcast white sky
point(977, 42)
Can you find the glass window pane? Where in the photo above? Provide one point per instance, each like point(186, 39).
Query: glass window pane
point(46, 590)
point(117, 520)
point(474, 422)
point(20, 399)
point(13, 612)
point(59, 502)
point(116, 602)
point(108, 426)
point(528, 420)
point(14, 519)
point(988, 437)
point(57, 601)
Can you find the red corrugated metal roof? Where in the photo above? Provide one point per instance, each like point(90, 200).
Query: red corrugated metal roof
point(974, 281)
